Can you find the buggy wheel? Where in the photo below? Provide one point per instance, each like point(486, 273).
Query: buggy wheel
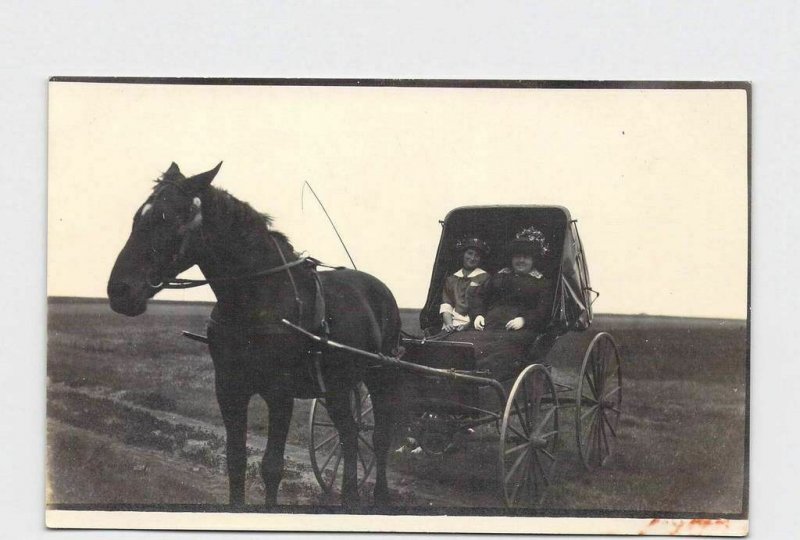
point(598, 401)
point(325, 448)
point(528, 437)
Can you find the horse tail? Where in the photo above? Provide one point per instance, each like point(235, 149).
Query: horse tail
point(377, 305)
point(390, 323)
point(383, 315)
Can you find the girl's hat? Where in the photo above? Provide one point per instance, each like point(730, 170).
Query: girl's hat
point(474, 243)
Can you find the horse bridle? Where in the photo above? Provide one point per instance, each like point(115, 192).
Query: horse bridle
point(183, 283)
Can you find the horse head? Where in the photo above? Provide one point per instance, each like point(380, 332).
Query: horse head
point(161, 242)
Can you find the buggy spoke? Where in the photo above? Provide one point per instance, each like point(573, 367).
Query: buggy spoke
point(591, 410)
point(324, 424)
point(518, 433)
point(361, 459)
point(590, 424)
point(518, 485)
point(367, 471)
point(546, 418)
point(362, 439)
point(614, 391)
point(527, 406)
point(598, 440)
point(548, 434)
point(608, 423)
point(541, 469)
point(604, 438)
point(366, 411)
point(517, 448)
point(326, 441)
point(610, 374)
point(590, 383)
point(516, 464)
point(335, 470)
point(330, 456)
point(590, 444)
point(533, 484)
point(521, 419)
point(600, 380)
point(550, 456)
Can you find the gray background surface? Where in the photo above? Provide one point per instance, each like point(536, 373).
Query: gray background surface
point(715, 40)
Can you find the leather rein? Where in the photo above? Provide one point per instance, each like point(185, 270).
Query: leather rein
point(182, 283)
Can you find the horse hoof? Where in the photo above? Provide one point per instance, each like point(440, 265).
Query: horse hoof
point(351, 504)
point(382, 500)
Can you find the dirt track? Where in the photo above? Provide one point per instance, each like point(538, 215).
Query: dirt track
point(132, 419)
point(208, 482)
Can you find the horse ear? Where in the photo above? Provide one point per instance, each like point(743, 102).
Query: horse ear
point(201, 181)
point(173, 170)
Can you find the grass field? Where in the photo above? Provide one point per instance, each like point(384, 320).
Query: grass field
point(132, 418)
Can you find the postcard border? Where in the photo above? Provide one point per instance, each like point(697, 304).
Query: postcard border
point(57, 515)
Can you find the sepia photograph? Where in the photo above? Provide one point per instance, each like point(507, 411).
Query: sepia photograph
point(456, 305)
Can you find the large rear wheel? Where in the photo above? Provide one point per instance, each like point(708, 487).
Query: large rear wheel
point(528, 438)
point(598, 401)
point(325, 447)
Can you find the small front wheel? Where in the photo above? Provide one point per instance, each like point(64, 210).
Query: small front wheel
point(528, 437)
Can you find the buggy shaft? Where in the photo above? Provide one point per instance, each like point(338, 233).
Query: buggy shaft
point(393, 361)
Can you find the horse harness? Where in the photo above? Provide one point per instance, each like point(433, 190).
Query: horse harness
point(320, 325)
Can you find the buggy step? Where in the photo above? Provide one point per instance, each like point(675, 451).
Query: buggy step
point(195, 337)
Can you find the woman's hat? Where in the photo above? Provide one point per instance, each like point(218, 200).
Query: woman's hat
point(474, 243)
point(528, 241)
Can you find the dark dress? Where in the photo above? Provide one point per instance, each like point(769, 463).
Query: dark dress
point(503, 297)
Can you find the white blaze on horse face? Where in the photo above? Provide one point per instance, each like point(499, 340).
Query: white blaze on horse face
point(146, 209)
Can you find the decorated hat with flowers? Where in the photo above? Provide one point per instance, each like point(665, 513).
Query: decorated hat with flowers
point(473, 242)
point(529, 241)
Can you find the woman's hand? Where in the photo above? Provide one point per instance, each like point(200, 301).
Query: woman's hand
point(479, 322)
point(515, 324)
point(448, 322)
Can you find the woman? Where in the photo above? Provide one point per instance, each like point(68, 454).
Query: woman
point(512, 308)
point(459, 287)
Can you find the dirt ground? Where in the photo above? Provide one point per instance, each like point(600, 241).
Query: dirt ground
point(132, 420)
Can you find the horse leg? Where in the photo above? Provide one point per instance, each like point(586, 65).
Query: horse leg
point(280, 416)
point(381, 438)
point(234, 415)
point(340, 413)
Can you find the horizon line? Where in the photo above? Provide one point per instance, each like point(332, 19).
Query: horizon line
point(98, 299)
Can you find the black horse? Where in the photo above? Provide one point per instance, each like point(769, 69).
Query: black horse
point(258, 279)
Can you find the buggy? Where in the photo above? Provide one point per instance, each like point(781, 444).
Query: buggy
point(444, 393)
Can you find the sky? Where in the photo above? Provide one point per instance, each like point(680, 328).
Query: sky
point(657, 179)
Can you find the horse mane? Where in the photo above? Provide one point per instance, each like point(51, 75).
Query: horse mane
point(239, 216)
point(252, 226)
